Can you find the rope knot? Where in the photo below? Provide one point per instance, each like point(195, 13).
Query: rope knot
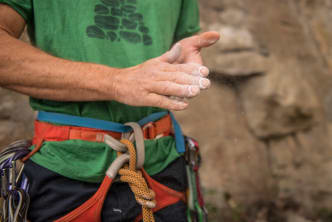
point(143, 195)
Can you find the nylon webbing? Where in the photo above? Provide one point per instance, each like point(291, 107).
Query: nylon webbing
point(66, 119)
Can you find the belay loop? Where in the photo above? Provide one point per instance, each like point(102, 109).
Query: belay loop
point(131, 173)
point(14, 185)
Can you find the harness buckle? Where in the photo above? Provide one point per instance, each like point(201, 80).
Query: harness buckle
point(149, 131)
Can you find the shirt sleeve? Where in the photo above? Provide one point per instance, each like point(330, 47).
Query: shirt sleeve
point(188, 23)
point(23, 7)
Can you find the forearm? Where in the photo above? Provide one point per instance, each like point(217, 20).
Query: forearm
point(33, 72)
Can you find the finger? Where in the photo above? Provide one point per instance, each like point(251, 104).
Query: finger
point(203, 40)
point(194, 58)
point(204, 83)
point(166, 102)
point(182, 99)
point(194, 69)
point(185, 79)
point(172, 55)
point(189, 68)
point(207, 39)
point(174, 89)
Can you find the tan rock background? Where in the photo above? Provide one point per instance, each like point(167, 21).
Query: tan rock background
point(265, 125)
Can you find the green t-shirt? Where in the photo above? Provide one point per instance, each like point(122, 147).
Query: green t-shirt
point(116, 33)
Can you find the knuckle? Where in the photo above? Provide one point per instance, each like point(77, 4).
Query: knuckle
point(165, 103)
point(168, 67)
point(193, 91)
point(189, 80)
point(164, 67)
point(179, 90)
point(153, 100)
point(194, 80)
point(178, 105)
point(187, 68)
point(184, 77)
point(159, 102)
point(173, 77)
point(166, 89)
point(185, 92)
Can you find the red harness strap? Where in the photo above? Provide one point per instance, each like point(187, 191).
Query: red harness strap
point(165, 196)
point(90, 211)
point(50, 132)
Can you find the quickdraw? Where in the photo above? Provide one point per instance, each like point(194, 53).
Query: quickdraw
point(14, 185)
point(196, 206)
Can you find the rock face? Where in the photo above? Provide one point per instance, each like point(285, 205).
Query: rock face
point(276, 106)
point(265, 125)
point(15, 117)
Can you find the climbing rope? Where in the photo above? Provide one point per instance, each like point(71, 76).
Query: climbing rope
point(143, 195)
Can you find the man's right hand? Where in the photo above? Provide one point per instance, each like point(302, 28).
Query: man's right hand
point(154, 82)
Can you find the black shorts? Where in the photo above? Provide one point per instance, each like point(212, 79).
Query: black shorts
point(53, 196)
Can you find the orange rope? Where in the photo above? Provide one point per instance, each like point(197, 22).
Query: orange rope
point(143, 195)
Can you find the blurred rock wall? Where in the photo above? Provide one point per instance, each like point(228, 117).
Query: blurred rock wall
point(265, 124)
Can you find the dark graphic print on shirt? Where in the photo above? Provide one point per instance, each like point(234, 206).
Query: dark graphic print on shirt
point(118, 20)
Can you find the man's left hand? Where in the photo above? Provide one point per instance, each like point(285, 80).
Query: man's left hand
point(191, 47)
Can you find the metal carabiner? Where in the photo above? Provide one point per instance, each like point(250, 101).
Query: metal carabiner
point(12, 175)
point(196, 211)
point(4, 183)
point(192, 155)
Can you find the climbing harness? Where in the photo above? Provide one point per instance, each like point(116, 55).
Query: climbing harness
point(152, 198)
point(127, 167)
point(14, 185)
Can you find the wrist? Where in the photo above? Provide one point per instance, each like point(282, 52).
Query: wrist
point(108, 82)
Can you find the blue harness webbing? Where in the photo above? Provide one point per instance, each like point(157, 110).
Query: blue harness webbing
point(71, 120)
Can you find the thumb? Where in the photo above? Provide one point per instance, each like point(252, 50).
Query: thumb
point(203, 40)
point(172, 55)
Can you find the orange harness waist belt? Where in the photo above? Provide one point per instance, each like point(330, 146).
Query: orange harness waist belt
point(49, 132)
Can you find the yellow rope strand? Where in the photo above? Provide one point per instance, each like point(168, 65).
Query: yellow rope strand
point(143, 195)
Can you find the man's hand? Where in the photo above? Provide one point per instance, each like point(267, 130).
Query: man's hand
point(192, 46)
point(155, 81)
point(178, 73)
